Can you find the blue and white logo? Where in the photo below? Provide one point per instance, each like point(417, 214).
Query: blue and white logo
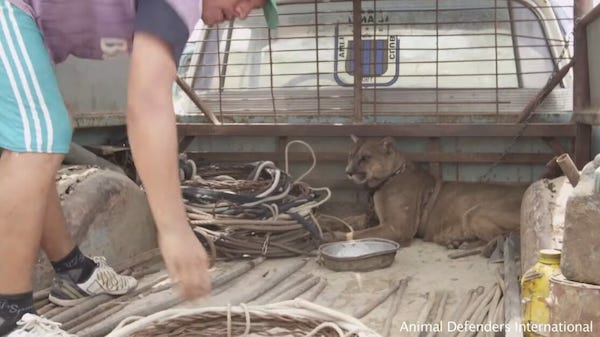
point(380, 58)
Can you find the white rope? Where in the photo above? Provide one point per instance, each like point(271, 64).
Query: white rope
point(223, 178)
point(273, 186)
point(324, 325)
point(343, 324)
point(340, 220)
point(274, 211)
point(260, 167)
point(271, 198)
point(248, 323)
point(314, 219)
point(312, 153)
point(229, 320)
point(315, 204)
point(194, 167)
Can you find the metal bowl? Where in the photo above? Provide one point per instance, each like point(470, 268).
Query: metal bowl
point(358, 255)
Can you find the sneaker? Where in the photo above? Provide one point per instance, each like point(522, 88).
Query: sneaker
point(35, 326)
point(104, 280)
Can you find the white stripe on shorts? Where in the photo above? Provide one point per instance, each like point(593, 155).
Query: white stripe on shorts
point(15, 89)
point(24, 83)
point(34, 79)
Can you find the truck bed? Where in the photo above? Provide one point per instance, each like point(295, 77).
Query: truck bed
point(429, 270)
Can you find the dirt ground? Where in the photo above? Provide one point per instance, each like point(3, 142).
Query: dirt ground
point(425, 263)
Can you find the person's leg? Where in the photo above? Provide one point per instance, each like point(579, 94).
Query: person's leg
point(58, 244)
point(77, 276)
point(34, 135)
point(34, 142)
point(65, 256)
point(56, 239)
point(35, 132)
point(25, 180)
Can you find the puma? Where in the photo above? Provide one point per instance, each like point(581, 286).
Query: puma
point(407, 202)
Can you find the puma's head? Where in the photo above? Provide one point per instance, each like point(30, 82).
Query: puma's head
point(372, 160)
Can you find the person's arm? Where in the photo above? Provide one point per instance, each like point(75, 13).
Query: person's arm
point(153, 138)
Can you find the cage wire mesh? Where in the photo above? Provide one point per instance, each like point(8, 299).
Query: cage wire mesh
point(423, 61)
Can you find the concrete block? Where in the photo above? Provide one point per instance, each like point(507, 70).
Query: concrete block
point(107, 214)
point(581, 256)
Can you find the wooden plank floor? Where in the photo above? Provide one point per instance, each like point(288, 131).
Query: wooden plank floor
point(426, 264)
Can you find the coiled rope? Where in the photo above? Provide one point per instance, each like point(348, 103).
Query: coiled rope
point(255, 209)
point(290, 318)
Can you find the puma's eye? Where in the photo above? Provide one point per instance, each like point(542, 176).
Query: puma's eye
point(365, 158)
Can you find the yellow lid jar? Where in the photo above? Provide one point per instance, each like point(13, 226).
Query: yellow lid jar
point(535, 289)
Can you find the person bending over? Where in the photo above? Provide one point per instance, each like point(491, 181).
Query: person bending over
point(35, 133)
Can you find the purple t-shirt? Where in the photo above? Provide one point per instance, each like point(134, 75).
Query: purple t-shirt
point(99, 29)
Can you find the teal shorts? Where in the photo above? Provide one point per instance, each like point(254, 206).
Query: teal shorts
point(33, 116)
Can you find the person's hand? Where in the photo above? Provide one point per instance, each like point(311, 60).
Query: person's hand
point(186, 260)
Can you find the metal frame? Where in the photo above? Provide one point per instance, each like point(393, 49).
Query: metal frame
point(360, 102)
point(567, 130)
point(584, 13)
point(547, 131)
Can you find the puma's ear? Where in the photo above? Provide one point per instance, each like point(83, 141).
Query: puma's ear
point(354, 139)
point(388, 144)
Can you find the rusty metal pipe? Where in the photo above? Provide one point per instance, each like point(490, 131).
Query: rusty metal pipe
point(568, 167)
point(584, 12)
point(544, 92)
point(78, 155)
point(197, 101)
point(358, 58)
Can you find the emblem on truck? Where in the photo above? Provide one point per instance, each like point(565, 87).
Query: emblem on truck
point(380, 58)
